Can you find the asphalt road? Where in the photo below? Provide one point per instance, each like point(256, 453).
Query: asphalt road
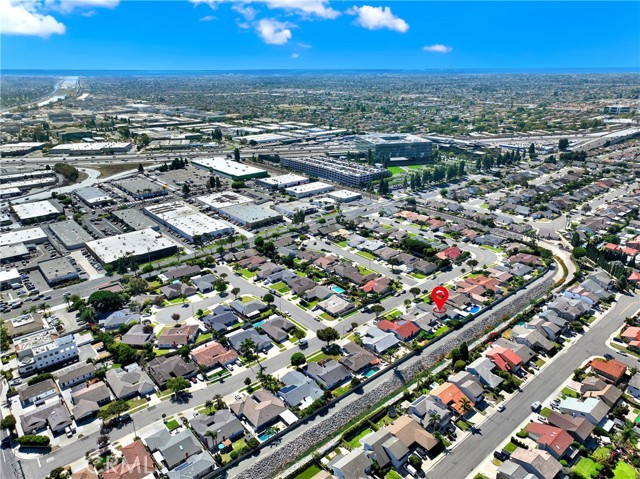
point(467, 454)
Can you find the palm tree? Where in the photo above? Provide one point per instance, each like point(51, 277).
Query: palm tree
point(434, 420)
point(213, 435)
point(465, 406)
point(208, 405)
point(219, 403)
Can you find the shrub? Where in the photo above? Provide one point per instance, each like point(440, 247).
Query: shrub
point(33, 440)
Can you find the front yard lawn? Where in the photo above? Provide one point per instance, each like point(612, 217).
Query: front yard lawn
point(327, 316)
point(570, 393)
point(280, 287)
point(392, 475)
point(510, 447)
point(441, 330)
point(366, 254)
point(624, 471)
point(172, 424)
point(587, 468)
point(246, 273)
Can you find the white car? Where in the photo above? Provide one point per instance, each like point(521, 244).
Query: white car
point(501, 408)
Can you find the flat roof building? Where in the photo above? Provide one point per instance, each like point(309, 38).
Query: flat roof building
point(143, 245)
point(57, 270)
point(229, 169)
point(309, 189)
point(43, 349)
point(290, 208)
point(93, 196)
point(282, 181)
point(140, 187)
point(8, 277)
point(216, 201)
point(346, 172)
point(94, 148)
point(27, 236)
point(135, 219)
point(19, 149)
point(12, 252)
point(70, 234)
point(251, 215)
point(389, 145)
point(344, 196)
point(186, 221)
point(35, 212)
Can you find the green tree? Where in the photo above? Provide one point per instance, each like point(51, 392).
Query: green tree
point(415, 291)
point(249, 349)
point(298, 359)
point(177, 384)
point(328, 335)
point(8, 423)
point(5, 342)
point(377, 309)
point(464, 351)
point(563, 144)
point(137, 285)
point(105, 301)
point(236, 154)
point(140, 168)
point(235, 292)
point(268, 298)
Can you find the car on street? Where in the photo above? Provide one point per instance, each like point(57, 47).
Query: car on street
point(501, 408)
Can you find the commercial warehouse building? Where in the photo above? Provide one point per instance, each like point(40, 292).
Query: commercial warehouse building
point(27, 236)
point(290, 208)
point(250, 215)
point(70, 234)
point(229, 169)
point(186, 221)
point(337, 170)
point(216, 201)
point(309, 189)
point(141, 188)
point(13, 252)
point(135, 219)
point(390, 145)
point(95, 148)
point(4, 179)
point(93, 196)
point(143, 245)
point(36, 212)
point(344, 196)
point(265, 138)
point(282, 181)
point(57, 270)
point(19, 149)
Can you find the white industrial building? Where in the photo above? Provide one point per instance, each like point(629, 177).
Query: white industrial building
point(344, 196)
point(229, 169)
point(38, 211)
point(95, 148)
point(309, 189)
point(140, 187)
point(346, 172)
point(70, 234)
point(290, 208)
point(186, 221)
point(9, 277)
point(93, 196)
point(250, 215)
point(19, 149)
point(263, 138)
point(142, 245)
point(282, 181)
point(43, 349)
point(27, 236)
point(57, 270)
point(216, 201)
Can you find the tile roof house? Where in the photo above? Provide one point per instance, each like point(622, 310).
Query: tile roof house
point(451, 396)
point(385, 449)
point(426, 409)
point(299, 390)
point(451, 253)
point(277, 328)
point(329, 374)
point(174, 448)
point(126, 383)
point(136, 336)
point(357, 358)
point(412, 434)
point(261, 409)
point(378, 285)
point(469, 385)
point(197, 466)
point(539, 463)
point(221, 318)
point(178, 335)
point(163, 368)
point(593, 409)
point(136, 463)
point(483, 369)
point(263, 342)
point(550, 438)
point(377, 340)
point(222, 422)
point(118, 318)
point(524, 352)
point(504, 358)
point(579, 427)
point(611, 370)
point(403, 330)
point(212, 355)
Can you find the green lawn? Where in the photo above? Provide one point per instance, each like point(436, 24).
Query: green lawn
point(491, 248)
point(587, 468)
point(327, 316)
point(365, 271)
point(414, 167)
point(510, 447)
point(204, 338)
point(394, 313)
point(540, 362)
point(366, 254)
point(546, 412)
point(161, 352)
point(355, 442)
point(392, 475)
point(441, 330)
point(395, 170)
point(342, 244)
point(172, 424)
point(570, 393)
point(237, 445)
point(309, 472)
point(246, 273)
point(601, 453)
point(386, 420)
point(624, 471)
point(174, 301)
point(462, 425)
point(280, 287)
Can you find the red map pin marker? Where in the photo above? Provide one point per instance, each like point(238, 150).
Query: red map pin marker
point(439, 295)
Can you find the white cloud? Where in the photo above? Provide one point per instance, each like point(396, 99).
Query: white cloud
point(295, 55)
point(208, 18)
point(22, 18)
point(69, 5)
point(317, 8)
point(246, 11)
point(274, 32)
point(377, 18)
point(437, 48)
point(304, 45)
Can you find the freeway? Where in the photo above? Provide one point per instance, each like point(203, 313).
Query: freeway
point(467, 454)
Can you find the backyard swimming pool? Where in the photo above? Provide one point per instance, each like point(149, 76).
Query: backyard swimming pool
point(474, 309)
point(337, 289)
point(371, 372)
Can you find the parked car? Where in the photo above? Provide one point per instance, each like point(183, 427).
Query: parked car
point(536, 406)
point(501, 408)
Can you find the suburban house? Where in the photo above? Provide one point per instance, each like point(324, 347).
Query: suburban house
point(174, 449)
point(129, 382)
point(336, 305)
point(537, 462)
point(579, 427)
point(220, 319)
point(357, 358)
point(136, 463)
point(213, 355)
point(223, 425)
point(610, 370)
point(329, 374)
point(75, 374)
point(593, 409)
point(262, 341)
point(249, 310)
point(177, 290)
point(118, 318)
point(277, 328)
point(377, 340)
point(137, 336)
point(504, 358)
point(353, 465)
point(38, 392)
point(385, 449)
point(197, 466)
point(452, 397)
point(55, 416)
point(550, 438)
point(299, 390)
point(412, 435)
point(163, 368)
point(469, 385)
point(633, 387)
point(260, 410)
point(404, 330)
point(483, 368)
point(430, 412)
point(178, 335)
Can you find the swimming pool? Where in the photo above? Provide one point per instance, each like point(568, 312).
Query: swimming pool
point(474, 309)
point(265, 435)
point(337, 289)
point(258, 324)
point(371, 372)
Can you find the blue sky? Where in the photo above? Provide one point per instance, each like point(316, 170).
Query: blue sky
point(317, 34)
